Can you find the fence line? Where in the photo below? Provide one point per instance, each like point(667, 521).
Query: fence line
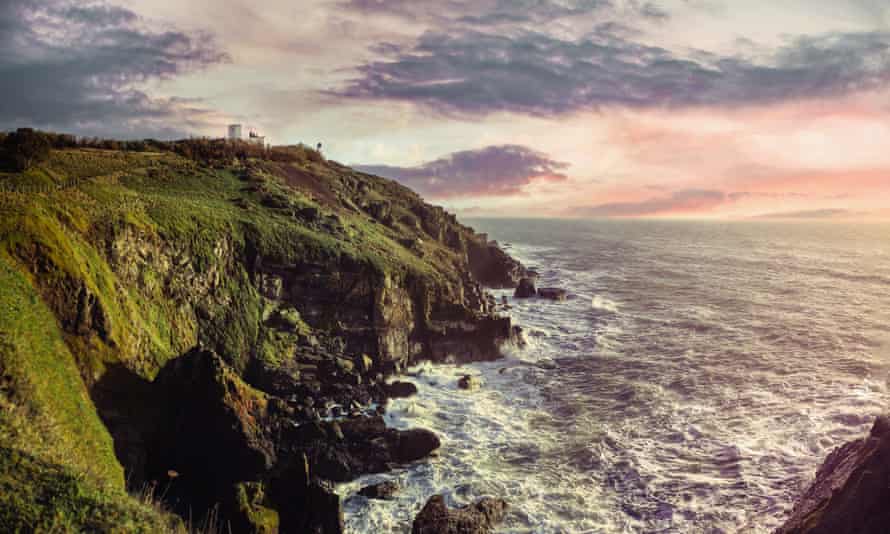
point(51, 188)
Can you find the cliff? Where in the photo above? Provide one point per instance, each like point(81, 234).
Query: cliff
point(201, 330)
point(850, 492)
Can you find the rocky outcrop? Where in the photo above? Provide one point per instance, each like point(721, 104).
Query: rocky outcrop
point(399, 390)
point(479, 518)
point(526, 289)
point(384, 490)
point(553, 293)
point(469, 382)
point(851, 490)
point(493, 267)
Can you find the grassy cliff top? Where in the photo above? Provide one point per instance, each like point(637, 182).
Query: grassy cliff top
point(70, 308)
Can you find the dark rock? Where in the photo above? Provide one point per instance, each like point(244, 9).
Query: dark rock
point(212, 419)
point(851, 490)
point(526, 289)
point(479, 518)
point(491, 266)
point(400, 390)
point(367, 446)
point(309, 214)
point(469, 382)
point(306, 504)
point(553, 293)
point(416, 443)
point(384, 490)
point(465, 341)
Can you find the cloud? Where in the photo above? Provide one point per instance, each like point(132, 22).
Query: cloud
point(685, 201)
point(811, 214)
point(478, 72)
point(491, 171)
point(81, 67)
point(490, 12)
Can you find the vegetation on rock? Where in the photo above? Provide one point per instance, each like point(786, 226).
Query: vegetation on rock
point(117, 259)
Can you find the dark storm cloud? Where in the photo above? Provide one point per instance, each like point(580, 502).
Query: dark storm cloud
point(690, 200)
point(480, 72)
point(482, 14)
point(491, 171)
point(77, 67)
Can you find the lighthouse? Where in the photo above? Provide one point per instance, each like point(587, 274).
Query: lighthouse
point(234, 132)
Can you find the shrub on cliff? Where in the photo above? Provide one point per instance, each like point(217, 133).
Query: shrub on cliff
point(25, 148)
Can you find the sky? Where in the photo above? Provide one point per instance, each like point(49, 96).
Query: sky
point(551, 108)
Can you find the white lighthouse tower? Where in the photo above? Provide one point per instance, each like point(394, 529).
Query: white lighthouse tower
point(234, 132)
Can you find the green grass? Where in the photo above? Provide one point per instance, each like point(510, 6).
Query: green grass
point(45, 387)
point(187, 233)
point(37, 496)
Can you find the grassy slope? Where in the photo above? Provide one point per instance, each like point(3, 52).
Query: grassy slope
point(61, 470)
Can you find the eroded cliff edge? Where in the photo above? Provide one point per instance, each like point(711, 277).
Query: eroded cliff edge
point(215, 329)
point(851, 490)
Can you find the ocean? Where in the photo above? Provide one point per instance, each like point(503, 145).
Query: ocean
point(694, 381)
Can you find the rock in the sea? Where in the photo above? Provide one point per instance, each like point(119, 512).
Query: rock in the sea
point(384, 490)
point(553, 293)
point(851, 490)
point(416, 443)
point(526, 289)
point(469, 382)
point(479, 518)
point(399, 390)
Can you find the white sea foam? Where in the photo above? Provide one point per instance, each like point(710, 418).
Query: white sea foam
point(602, 303)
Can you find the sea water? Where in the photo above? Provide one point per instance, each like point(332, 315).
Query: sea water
point(694, 381)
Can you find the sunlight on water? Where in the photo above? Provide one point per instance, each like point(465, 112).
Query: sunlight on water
point(694, 382)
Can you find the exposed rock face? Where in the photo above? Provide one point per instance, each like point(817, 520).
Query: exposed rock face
point(384, 490)
point(493, 267)
point(467, 341)
point(526, 289)
point(851, 490)
point(479, 518)
point(553, 293)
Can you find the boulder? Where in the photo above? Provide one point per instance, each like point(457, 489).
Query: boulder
point(526, 289)
point(384, 490)
point(400, 390)
point(416, 443)
point(553, 293)
point(363, 445)
point(851, 490)
point(469, 382)
point(479, 518)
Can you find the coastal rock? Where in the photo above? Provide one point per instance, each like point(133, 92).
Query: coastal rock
point(469, 382)
point(363, 445)
point(491, 266)
point(384, 490)
point(400, 390)
point(479, 518)
point(417, 443)
point(851, 489)
point(553, 293)
point(526, 289)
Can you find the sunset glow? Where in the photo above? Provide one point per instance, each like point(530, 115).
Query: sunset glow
point(543, 107)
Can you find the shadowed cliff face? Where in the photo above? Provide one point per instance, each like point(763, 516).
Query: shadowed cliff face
point(217, 314)
point(851, 490)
